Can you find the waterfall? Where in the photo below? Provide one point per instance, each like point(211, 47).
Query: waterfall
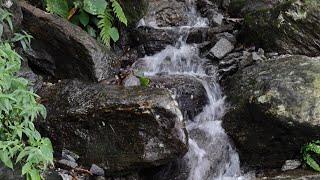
point(210, 155)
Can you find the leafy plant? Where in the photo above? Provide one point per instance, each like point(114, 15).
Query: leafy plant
point(144, 81)
point(309, 152)
point(92, 15)
point(20, 143)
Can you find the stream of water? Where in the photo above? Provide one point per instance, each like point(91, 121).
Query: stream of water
point(211, 155)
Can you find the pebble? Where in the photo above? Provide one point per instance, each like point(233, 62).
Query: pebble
point(96, 170)
point(291, 165)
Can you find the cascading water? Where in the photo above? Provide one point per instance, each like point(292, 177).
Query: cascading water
point(210, 156)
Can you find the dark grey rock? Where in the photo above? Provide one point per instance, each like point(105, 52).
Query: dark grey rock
point(274, 109)
point(166, 13)
point(151, 40)
point(188, 91)
point(66, 164)
point(221, 48)
point(74, 52)
point(131, 80)
point(116, 128)
point(288, 27)
point(70, 156)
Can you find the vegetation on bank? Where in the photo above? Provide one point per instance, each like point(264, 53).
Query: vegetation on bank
point(95, 17)
point(21, 145)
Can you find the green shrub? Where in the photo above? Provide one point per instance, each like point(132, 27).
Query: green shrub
point(310, 152)
point(20, 143)
point(92, 15)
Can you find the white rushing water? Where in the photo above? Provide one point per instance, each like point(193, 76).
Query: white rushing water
point(211, 155)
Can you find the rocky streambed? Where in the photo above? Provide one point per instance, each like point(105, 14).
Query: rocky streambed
point(233, 93)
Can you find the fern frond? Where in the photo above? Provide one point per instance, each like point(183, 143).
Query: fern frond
point(117, 9)
point(105, 24)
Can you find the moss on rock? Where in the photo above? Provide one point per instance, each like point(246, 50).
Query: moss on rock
point(275, 110)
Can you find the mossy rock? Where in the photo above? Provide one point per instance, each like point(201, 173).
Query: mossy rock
point(135, 10)
point(275, 110)
point(289, 27)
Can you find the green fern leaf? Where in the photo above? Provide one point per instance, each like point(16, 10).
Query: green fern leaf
point(117, 9)
point(105, 24)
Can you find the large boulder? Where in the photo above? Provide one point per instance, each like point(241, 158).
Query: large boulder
point(116, 128)
point(63, 50)
point(275, 109)
point(289, 27)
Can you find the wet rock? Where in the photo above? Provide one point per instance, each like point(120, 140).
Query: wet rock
point(9, 174)
point(210, 11)
point(66, 164)
point(35, 81)
point(68, 155)
point(274, 109)
point(134, 10)
point(297, 174)
point(116, 128)
point(221, 49)
point(289, 27)
point(96, 170)
point(189, 92)
point(151, 40)
point(166, 13)
point(199, 35)
point(290, 165)
point(72, 51)
point(131, 81)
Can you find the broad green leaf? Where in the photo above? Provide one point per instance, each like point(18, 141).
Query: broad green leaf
point(84, 18)
point(6, 159)
point(59, 7)
point(95, 7)
point(26, 168)
point(114, 34)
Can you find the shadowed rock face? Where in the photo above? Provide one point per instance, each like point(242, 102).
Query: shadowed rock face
point(289, 27)
point(114, 127)
point(63, 50)
point(274, 110)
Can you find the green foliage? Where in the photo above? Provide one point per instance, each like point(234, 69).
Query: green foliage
point(92, 15)
point(144, 81)
point(310, 152)
point(20, 142)
point(59, 7)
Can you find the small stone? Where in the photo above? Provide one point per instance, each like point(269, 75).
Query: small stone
point(221, 48)
point(96, 170)
point(291, 165)
point(256, 57)
point(131, 81)
point(66, 164)
point(217, 19)
point(70, 156)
